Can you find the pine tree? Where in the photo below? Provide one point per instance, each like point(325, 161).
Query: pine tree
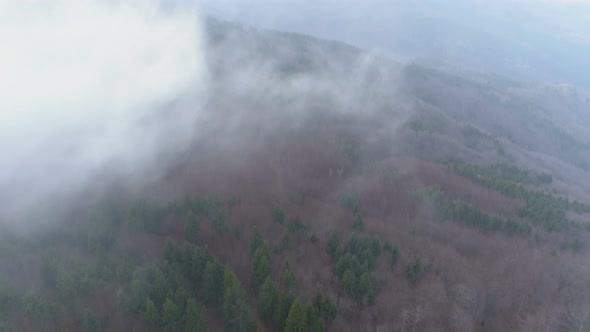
point(160, 287)
point(229, 279)
point(171, 252)
point(314, 321)
point(371, 296)
point(260, 267)
point(349, 282)
point(192, 226)
point(278, 216)
point(375, 249)
point(170, 314)
point(317, 325)
point(329, 310)
point(38, 308)
point(318, 300)
point(180, 298)
point(256, 241)
point(268, 299)
point(212, 281)
point(285, 301)
point(240, 319)
point(343, 264)
point(394, 252)
point(231, 292)
point(414, 270)
point(284, 243)
point(296, 320)
point(91, 322)
point(235, 307)
point(358, 225)
point(324, 307)
point(151, 313)
point(334, 245)
point(193, 317)
point(365, 284)
point(198, 264)
point(287, 277)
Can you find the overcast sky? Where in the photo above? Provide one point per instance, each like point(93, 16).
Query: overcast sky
point(527, 39)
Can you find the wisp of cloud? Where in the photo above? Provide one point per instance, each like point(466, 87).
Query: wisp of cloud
point(82, 89)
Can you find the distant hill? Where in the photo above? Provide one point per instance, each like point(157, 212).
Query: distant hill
point(528, 39)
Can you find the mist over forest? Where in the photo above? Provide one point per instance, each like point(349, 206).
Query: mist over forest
point(529, 40)
point(294, 166)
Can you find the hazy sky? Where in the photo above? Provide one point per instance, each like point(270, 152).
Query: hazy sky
point(528, 39)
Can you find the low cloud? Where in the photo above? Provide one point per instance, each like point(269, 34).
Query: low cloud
point(82, 89)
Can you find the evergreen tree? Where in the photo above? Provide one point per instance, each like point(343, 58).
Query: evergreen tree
point(284, 243)
point(232, 291)
point(198, 264)
point(317, 325)
point(365, 285)
point(358, 225)
point(170, 314)
point(344, 263)
point(297, 319)
point(151, 313)
point(288, 278)
point(371, 296)
point(212, 281)
point(268, 299)
point(329, 310)
point(229, 280)
point(414, 270)
point(38, 308)
point(314, 322)
point(160, 287)
point(240, 319)
point(171, 252)
point(324, 307)
point(375, 248)
point(192, 226)
point(349, 282)
point(278, 216)
point(260, 267)
point(180, 298)
point(91, 322)
point(193, 317)
point(235, 307)
point(285, 301)
point(237, 231)
point(318, 300)
point(394, 256)
point(334, 245)
point(256, 241)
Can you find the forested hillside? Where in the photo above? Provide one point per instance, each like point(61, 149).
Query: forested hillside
point(337, 191)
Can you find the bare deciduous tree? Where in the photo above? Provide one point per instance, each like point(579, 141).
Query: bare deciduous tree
point(576, 318)
point(414, 317)
point(542, 320)
point(464, 308)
